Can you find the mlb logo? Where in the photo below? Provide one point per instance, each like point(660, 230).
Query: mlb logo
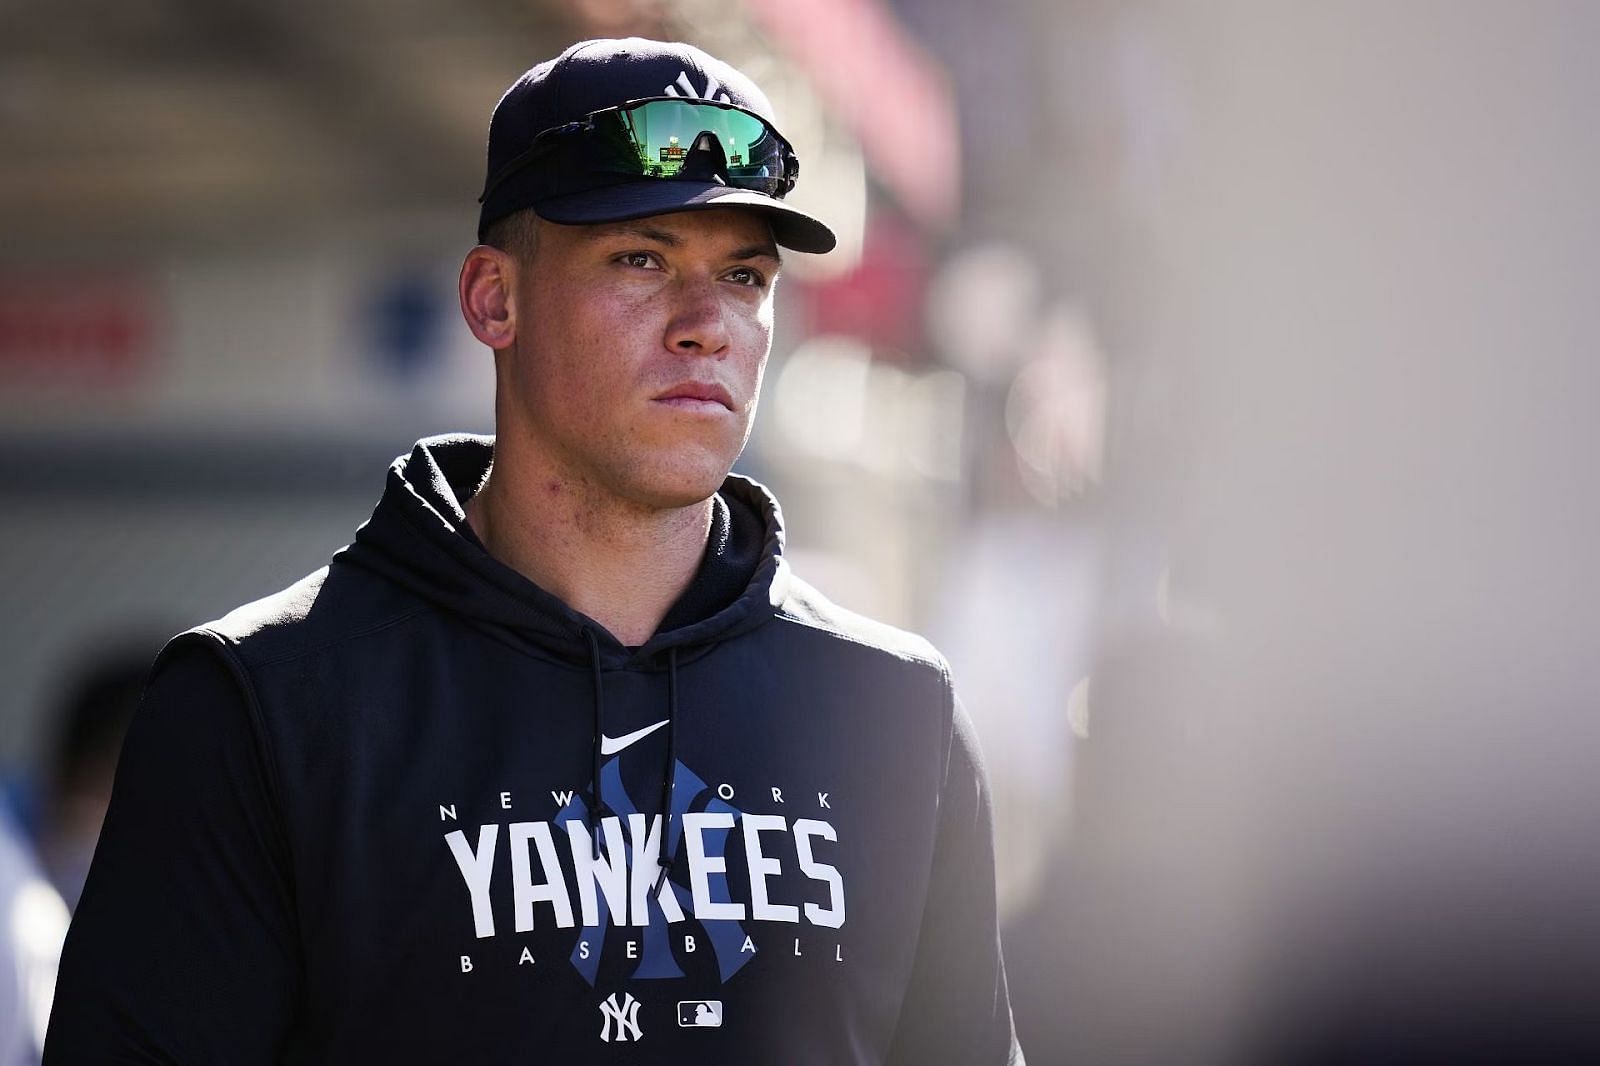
point(699, 1013)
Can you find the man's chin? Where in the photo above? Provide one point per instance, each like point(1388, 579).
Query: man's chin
point(678, 498)
point(680, 488)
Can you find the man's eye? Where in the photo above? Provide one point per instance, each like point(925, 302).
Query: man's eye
point(747, 276)
point(643, 260)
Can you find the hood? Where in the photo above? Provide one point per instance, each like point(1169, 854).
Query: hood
point(418, 538)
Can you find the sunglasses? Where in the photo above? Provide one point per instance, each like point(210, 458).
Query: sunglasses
point(667, 138)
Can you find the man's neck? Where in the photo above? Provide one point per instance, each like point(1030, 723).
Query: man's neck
point(621, 564)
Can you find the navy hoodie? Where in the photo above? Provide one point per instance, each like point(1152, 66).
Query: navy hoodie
point(416, 809)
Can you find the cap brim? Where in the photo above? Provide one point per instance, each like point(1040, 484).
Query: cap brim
point(791, 227)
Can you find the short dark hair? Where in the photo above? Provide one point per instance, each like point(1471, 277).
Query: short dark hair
point(516, 234)
point(98, 702)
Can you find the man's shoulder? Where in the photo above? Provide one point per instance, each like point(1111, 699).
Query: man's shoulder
point(804, 605)
point(322, 610)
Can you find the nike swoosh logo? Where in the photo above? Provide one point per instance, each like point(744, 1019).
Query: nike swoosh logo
point(612, 745)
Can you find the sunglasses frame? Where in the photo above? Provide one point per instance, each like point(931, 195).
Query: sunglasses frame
point(545, 140)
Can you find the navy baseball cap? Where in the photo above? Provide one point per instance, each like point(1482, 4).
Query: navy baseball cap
point(570, 177)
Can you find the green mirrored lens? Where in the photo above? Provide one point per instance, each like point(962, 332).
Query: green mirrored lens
point(693, 139)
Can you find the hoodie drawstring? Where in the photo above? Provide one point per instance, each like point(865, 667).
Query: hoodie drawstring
point(597, 808)
point(669, 779)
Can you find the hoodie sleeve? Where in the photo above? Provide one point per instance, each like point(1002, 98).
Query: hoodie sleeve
point(183, 948)
point(957, 1010)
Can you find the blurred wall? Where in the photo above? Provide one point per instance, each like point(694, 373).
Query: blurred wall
point(1335, 804)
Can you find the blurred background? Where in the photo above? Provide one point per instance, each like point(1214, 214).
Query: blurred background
point(1214, 384)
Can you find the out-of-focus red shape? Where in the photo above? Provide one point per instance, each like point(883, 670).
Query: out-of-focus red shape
point(880, 300)
point(84, 332)
point(877, 81)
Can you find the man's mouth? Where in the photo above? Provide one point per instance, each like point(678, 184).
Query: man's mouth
point(695, 395)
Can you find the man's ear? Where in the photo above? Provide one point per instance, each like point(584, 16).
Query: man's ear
point(488, 276)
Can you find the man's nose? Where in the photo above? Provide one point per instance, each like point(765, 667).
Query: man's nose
point(698, 322)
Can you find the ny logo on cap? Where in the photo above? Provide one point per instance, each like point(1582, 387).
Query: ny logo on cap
point(684, 87)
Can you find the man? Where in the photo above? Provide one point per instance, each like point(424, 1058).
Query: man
point(558, 762)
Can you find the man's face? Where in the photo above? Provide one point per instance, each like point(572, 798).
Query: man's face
point(639, 350)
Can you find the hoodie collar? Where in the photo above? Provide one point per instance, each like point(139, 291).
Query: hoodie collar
point(418, 537)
